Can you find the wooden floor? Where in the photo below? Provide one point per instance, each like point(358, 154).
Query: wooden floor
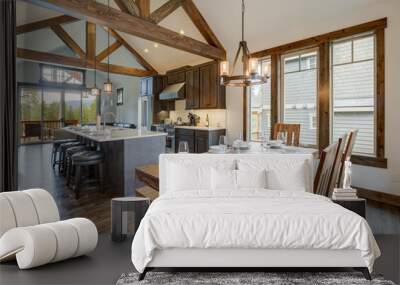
point(35, 171)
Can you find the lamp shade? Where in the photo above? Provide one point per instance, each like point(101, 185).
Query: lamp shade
point(224, 68)
point(107, 87)
point(95, 91)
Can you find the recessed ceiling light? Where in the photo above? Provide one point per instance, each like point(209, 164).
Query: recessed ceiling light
point(182, 32)
point(156, 45)
point(146, 50)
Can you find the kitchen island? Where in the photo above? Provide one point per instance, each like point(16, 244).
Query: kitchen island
point(124, 150)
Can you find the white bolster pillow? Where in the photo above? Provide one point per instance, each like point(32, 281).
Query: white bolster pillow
point(37, 245)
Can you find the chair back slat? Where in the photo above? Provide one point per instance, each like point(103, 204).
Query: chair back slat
point(328, 168)
point(292, 133)
point(351, 138)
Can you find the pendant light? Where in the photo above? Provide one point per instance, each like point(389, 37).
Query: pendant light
point(108, 85)
point(250, 75)
point(94, 90)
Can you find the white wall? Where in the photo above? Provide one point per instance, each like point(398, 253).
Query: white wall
point(386, 180)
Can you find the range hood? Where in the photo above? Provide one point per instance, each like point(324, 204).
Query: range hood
point(173, 92)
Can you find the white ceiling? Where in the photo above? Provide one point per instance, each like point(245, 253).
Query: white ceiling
point(268, 23)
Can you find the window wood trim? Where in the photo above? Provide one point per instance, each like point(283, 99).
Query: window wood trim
point(322, 42)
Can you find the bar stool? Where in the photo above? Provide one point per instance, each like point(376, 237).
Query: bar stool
point(68, 159)
point(56, 148)
point(63, 148)
point(88, 158)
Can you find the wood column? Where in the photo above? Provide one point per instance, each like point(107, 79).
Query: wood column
point(274, 91)
point(323, 96)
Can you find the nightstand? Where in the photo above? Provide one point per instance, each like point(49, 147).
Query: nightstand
point(356, 205)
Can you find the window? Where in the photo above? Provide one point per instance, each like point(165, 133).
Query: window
point(260, 107)
point(299, 79)
point(331, 83)
point(61, 75)
point(353, 91)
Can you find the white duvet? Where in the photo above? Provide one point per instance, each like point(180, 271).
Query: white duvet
point(250, 218)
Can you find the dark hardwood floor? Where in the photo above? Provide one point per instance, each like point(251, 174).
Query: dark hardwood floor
point(35, 171)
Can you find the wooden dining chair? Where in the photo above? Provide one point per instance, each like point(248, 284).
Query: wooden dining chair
point(328, 168)
point(292, 133)
point(348, 149)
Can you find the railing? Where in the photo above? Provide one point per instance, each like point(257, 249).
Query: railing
point(37, 131)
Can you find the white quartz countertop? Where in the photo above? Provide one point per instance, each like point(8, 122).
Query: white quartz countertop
point(200, 128)
point(112, 133)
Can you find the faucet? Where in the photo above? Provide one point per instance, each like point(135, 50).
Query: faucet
point(104, 119)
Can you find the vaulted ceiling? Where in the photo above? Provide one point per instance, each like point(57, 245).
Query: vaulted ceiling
point(268, 23)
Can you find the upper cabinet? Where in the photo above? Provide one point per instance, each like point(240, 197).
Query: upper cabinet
point(209, 86)
point(192, 88)
point(203, 89)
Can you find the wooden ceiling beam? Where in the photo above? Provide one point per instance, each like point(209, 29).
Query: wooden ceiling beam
point(66, 38)
point(144, 8)
point(201, 24)
point(30, 27)
point(128, 6)
point(107, 51)
point(137, 55)
point(101, 14)
point(90, 41)
point(81, 63)
point(164, 11)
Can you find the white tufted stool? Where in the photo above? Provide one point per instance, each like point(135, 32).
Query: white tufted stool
point(31, 230)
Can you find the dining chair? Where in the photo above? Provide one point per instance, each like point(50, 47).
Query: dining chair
point(328, 168)
point(348, 149)
point(292, 133)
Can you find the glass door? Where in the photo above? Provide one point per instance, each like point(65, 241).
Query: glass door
point(52, 113)
point(72, 107)
point(30, 129)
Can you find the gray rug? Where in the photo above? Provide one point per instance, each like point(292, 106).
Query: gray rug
point(243, 278)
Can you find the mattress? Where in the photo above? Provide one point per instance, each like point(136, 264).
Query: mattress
point(250, 219)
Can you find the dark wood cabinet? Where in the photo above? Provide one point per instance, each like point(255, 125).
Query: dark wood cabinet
point(192, 89)
point(202, 141)
point(177, 75)
point(185, 135)
point(199, 141)
point(208, 86)
point(202, 85)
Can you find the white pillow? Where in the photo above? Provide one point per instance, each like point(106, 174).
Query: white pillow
point(183, 177)
point(293, 178)
point(223, 179)
point(251, 178)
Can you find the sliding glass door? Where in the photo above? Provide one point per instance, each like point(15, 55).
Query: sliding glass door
point(72, 107)
point(30, 129)
point(45, 109)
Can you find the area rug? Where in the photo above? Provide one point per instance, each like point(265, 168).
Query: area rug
point(244, 278)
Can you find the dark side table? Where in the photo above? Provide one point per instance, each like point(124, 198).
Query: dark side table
point(355, 205)
point(120, 207)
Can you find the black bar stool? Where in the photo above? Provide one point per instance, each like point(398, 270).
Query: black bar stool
point(63, 148)
point(88, 158)
point(56, 148)
point(68, 159)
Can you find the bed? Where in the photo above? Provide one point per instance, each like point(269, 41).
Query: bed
point(247, 211)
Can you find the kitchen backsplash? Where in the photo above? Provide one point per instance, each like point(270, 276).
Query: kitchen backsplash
point(217, 117)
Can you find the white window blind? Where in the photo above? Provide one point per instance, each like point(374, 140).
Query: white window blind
point(300, 78)
point(353, 91)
